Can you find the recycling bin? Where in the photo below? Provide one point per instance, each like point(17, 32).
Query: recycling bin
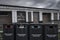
point(51, 32)
point(36, 32)
point(51, 29)
point(21, 32)
point(8, 32)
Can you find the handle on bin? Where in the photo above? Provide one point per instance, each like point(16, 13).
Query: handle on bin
point(35, 26)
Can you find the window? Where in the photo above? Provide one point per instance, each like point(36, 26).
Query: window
point(35, 17)
point(21, 17)
point(46, 17)
point(29, 16)
point(5, 13)
point(55, 16)
point(5, 17)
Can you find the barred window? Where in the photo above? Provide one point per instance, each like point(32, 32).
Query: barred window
point(55, 16)
point(29, 16)
point(21, 17)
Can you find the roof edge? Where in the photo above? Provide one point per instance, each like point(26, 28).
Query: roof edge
point(28, 7)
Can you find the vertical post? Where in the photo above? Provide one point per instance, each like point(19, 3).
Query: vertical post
point(52, 17)
point(26, 16)
point(31, 16)
point(40, 16)
point(14, 16)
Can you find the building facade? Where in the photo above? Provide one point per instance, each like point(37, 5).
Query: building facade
point(21, 14)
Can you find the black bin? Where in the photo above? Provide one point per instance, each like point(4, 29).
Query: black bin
point(8, 32)
point(21, 32)
point(51, 32)
point(36, 32)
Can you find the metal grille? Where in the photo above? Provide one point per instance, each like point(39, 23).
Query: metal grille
point(21, 17)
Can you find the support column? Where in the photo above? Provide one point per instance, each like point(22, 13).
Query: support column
point(40, 16)
point(26, 16)
point(52, 17)
point(14, 16)
point(31, 16)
